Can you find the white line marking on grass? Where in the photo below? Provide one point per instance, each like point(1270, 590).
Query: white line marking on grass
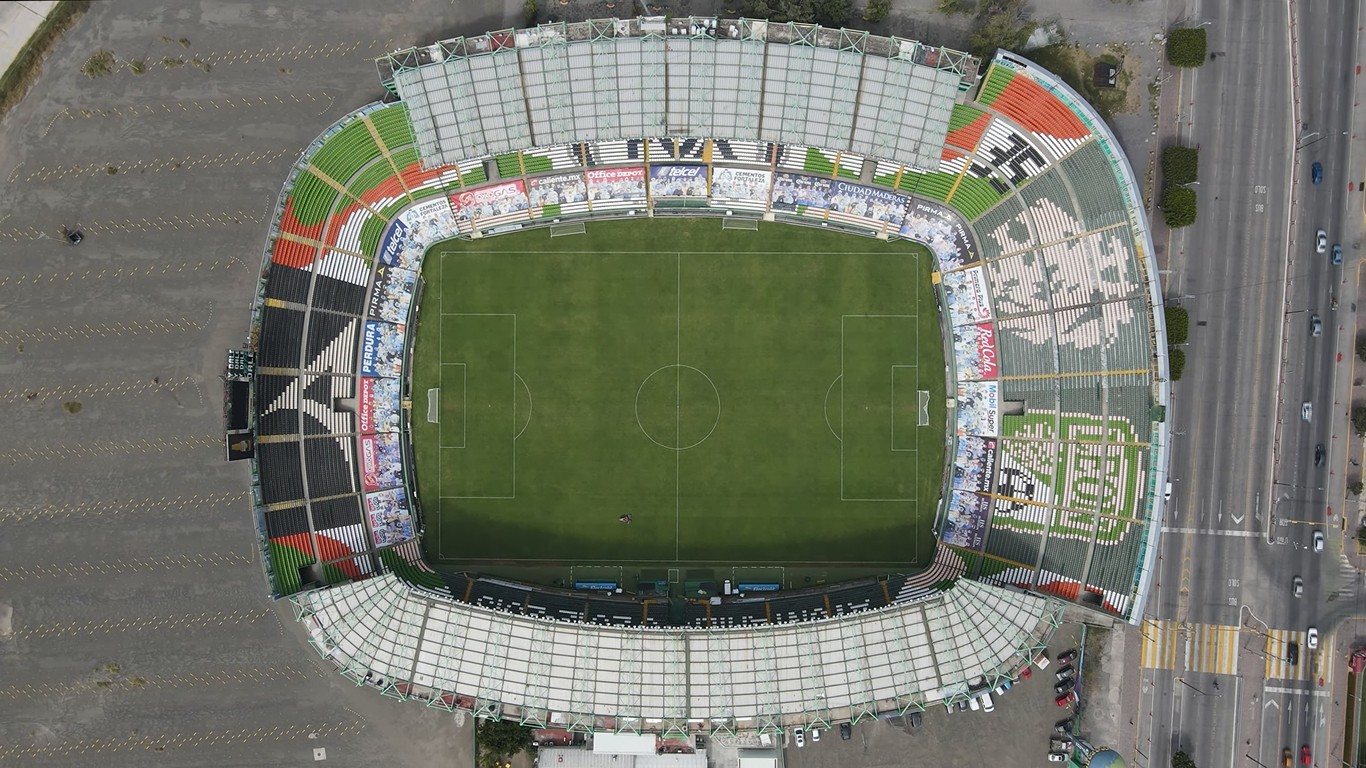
point(894, 448)
point(530, 408)
point(678, 399)
point(464, 407)
point(825, 407)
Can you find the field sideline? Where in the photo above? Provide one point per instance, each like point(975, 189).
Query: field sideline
point(745, 397)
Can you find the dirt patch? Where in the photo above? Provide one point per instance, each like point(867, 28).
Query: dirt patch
point(1075, 64)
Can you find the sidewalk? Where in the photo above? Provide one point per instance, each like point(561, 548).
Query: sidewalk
point(18, 22)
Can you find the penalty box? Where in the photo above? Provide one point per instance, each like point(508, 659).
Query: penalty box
point(478, 406)
point(878, 407)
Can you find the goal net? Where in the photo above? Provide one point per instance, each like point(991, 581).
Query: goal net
point(577, 228)
point(923, 417)
point(433, 405)
point(732, 223)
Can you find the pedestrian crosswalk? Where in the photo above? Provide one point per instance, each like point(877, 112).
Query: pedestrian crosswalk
point(1160, 638)
point(1208, 647)
point(1278, 666)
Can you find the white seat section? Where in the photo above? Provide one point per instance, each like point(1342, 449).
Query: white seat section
point(850, 163)
point(1005, 239)
point(793, 158)
point(611, 153)
point(1018, 284)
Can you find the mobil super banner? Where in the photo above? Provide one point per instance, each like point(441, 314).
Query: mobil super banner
point(381, 463)
point(678, 180)
point(979, 408)
point(414, 231)
point(379, 405)
point(381, 352)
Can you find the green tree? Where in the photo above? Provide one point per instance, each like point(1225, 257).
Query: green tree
point(1359, 418)
point(1186, 47)
point(1361, 346)
point(500, 740)
point(1000, 24)
point(1176, 360)
point(832, 13)
point(1178, 206)
point(1178, 324)
point(951, 7)
point(1355, 488)
point(877, 10)
point(530, 9)
point(1180, 165)
point(1182, 760)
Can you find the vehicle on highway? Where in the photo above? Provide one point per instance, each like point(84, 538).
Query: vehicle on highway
point(1286, 759)
point(1298, 586)
point(799, 736)
point(1307, 411)
point(1318, 173)
point(1318, 541)
point(1318, 455)
point(1311, 638)
point(1321, 242)
point(1315, 326)
point(815, 735)
point(1166, 496)
point(1337, 255)
point(847, 731)
point(1292, 653)
point(1306, 757)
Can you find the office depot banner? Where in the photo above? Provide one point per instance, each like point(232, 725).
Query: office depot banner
point(379, 406)
point(609, 184)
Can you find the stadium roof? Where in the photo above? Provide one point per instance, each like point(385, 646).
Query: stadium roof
point(544, 672)
point(590, 81)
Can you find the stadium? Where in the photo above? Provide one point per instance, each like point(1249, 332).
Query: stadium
point(1052, 406)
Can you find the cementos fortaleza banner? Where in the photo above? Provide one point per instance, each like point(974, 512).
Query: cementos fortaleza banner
point(974, 351)
point(616, 183)
point(381, 352)
point(965, 294)
point(973, 463)
point(390, 519)
point(414, 231)
point(939, 228)
point(979, 408)
point(740, 185)
point(678, 180)
point(965, 522)
point(381, 465)
point(393, 293)
point(378, 406)
point(487, 202)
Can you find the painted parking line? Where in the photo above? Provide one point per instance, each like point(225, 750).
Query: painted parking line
point(110, 274)
point(181, 324)
point(110, 448)
point(161, 743)
point(123, 388)
point(140, 624)
point(128, 565)
point(113, 167)
point(113, 679)
point(153, 504)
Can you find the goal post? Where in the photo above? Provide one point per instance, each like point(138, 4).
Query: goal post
point(434, 405)
point(740, 223)
point(576, 228)
point(923, 417)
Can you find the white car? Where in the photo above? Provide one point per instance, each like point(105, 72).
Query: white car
point(1057, 757)
point(799, 736)
point(987, 704)
point(1312, 639)
point(1321, 242)
point(815, 735)
point(1318, 541)
point(1298, 586)
point(1307, 411)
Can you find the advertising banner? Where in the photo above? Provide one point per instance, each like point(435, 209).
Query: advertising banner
point(378, 406)
point(941, 230)
point(965, 295)
point(606, 184)
point(393, 293)
point(414, 231)
point(487, 202)
point(561, 189)
point(678, 180)
point(973, 463)
point(381, 464)
point(381, 352)
point(390, 519)
point(979, 408)
point(792, 191)
point(741, 185)
point(868, 203)
point(965, 522)
point(974, 351)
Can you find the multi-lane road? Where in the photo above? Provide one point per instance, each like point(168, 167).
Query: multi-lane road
point(1275, 97)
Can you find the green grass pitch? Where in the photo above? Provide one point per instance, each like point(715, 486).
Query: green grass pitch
point(746, 397)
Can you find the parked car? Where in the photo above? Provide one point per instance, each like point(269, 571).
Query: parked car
point(1318, 455)
point(1311, 638)
point(987, 704)
point(974, 704)
point(1307, 411)
point(1315, 326)
point(847, 731)
point(1063, 686)
point(1321, 242)
point(799, 736)
point(1298, 586)
point(1063, 726)
point(1069, 656)
point(815, 735)
point(1318, 541)
point(1057, 757)
point(1066, 699)
point(1003, 687)
point(915, 722)
point(1317, 173)
point(1337, 255)
point(1065, 673)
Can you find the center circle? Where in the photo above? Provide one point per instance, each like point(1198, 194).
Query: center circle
point(678, 407)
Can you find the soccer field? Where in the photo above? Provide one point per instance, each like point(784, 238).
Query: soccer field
point(745, 397)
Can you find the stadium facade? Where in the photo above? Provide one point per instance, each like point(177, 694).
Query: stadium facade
point(1048, 291)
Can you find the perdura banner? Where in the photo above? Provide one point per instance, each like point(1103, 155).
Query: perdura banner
point(965, 295)
point(390, 519)
point(974, 351)
point(381, 351)
point(378, 409)
point(487, 202)
point(965, 522)
point(393, 294)
point(678, 180)
point(941, 230)
point(979, 408)
point(381, 463)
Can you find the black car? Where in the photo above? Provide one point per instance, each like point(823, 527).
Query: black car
point(915, 719)
point(1292, 653)
point(1065, 685)
point(1318, 455)
point(847, 732)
